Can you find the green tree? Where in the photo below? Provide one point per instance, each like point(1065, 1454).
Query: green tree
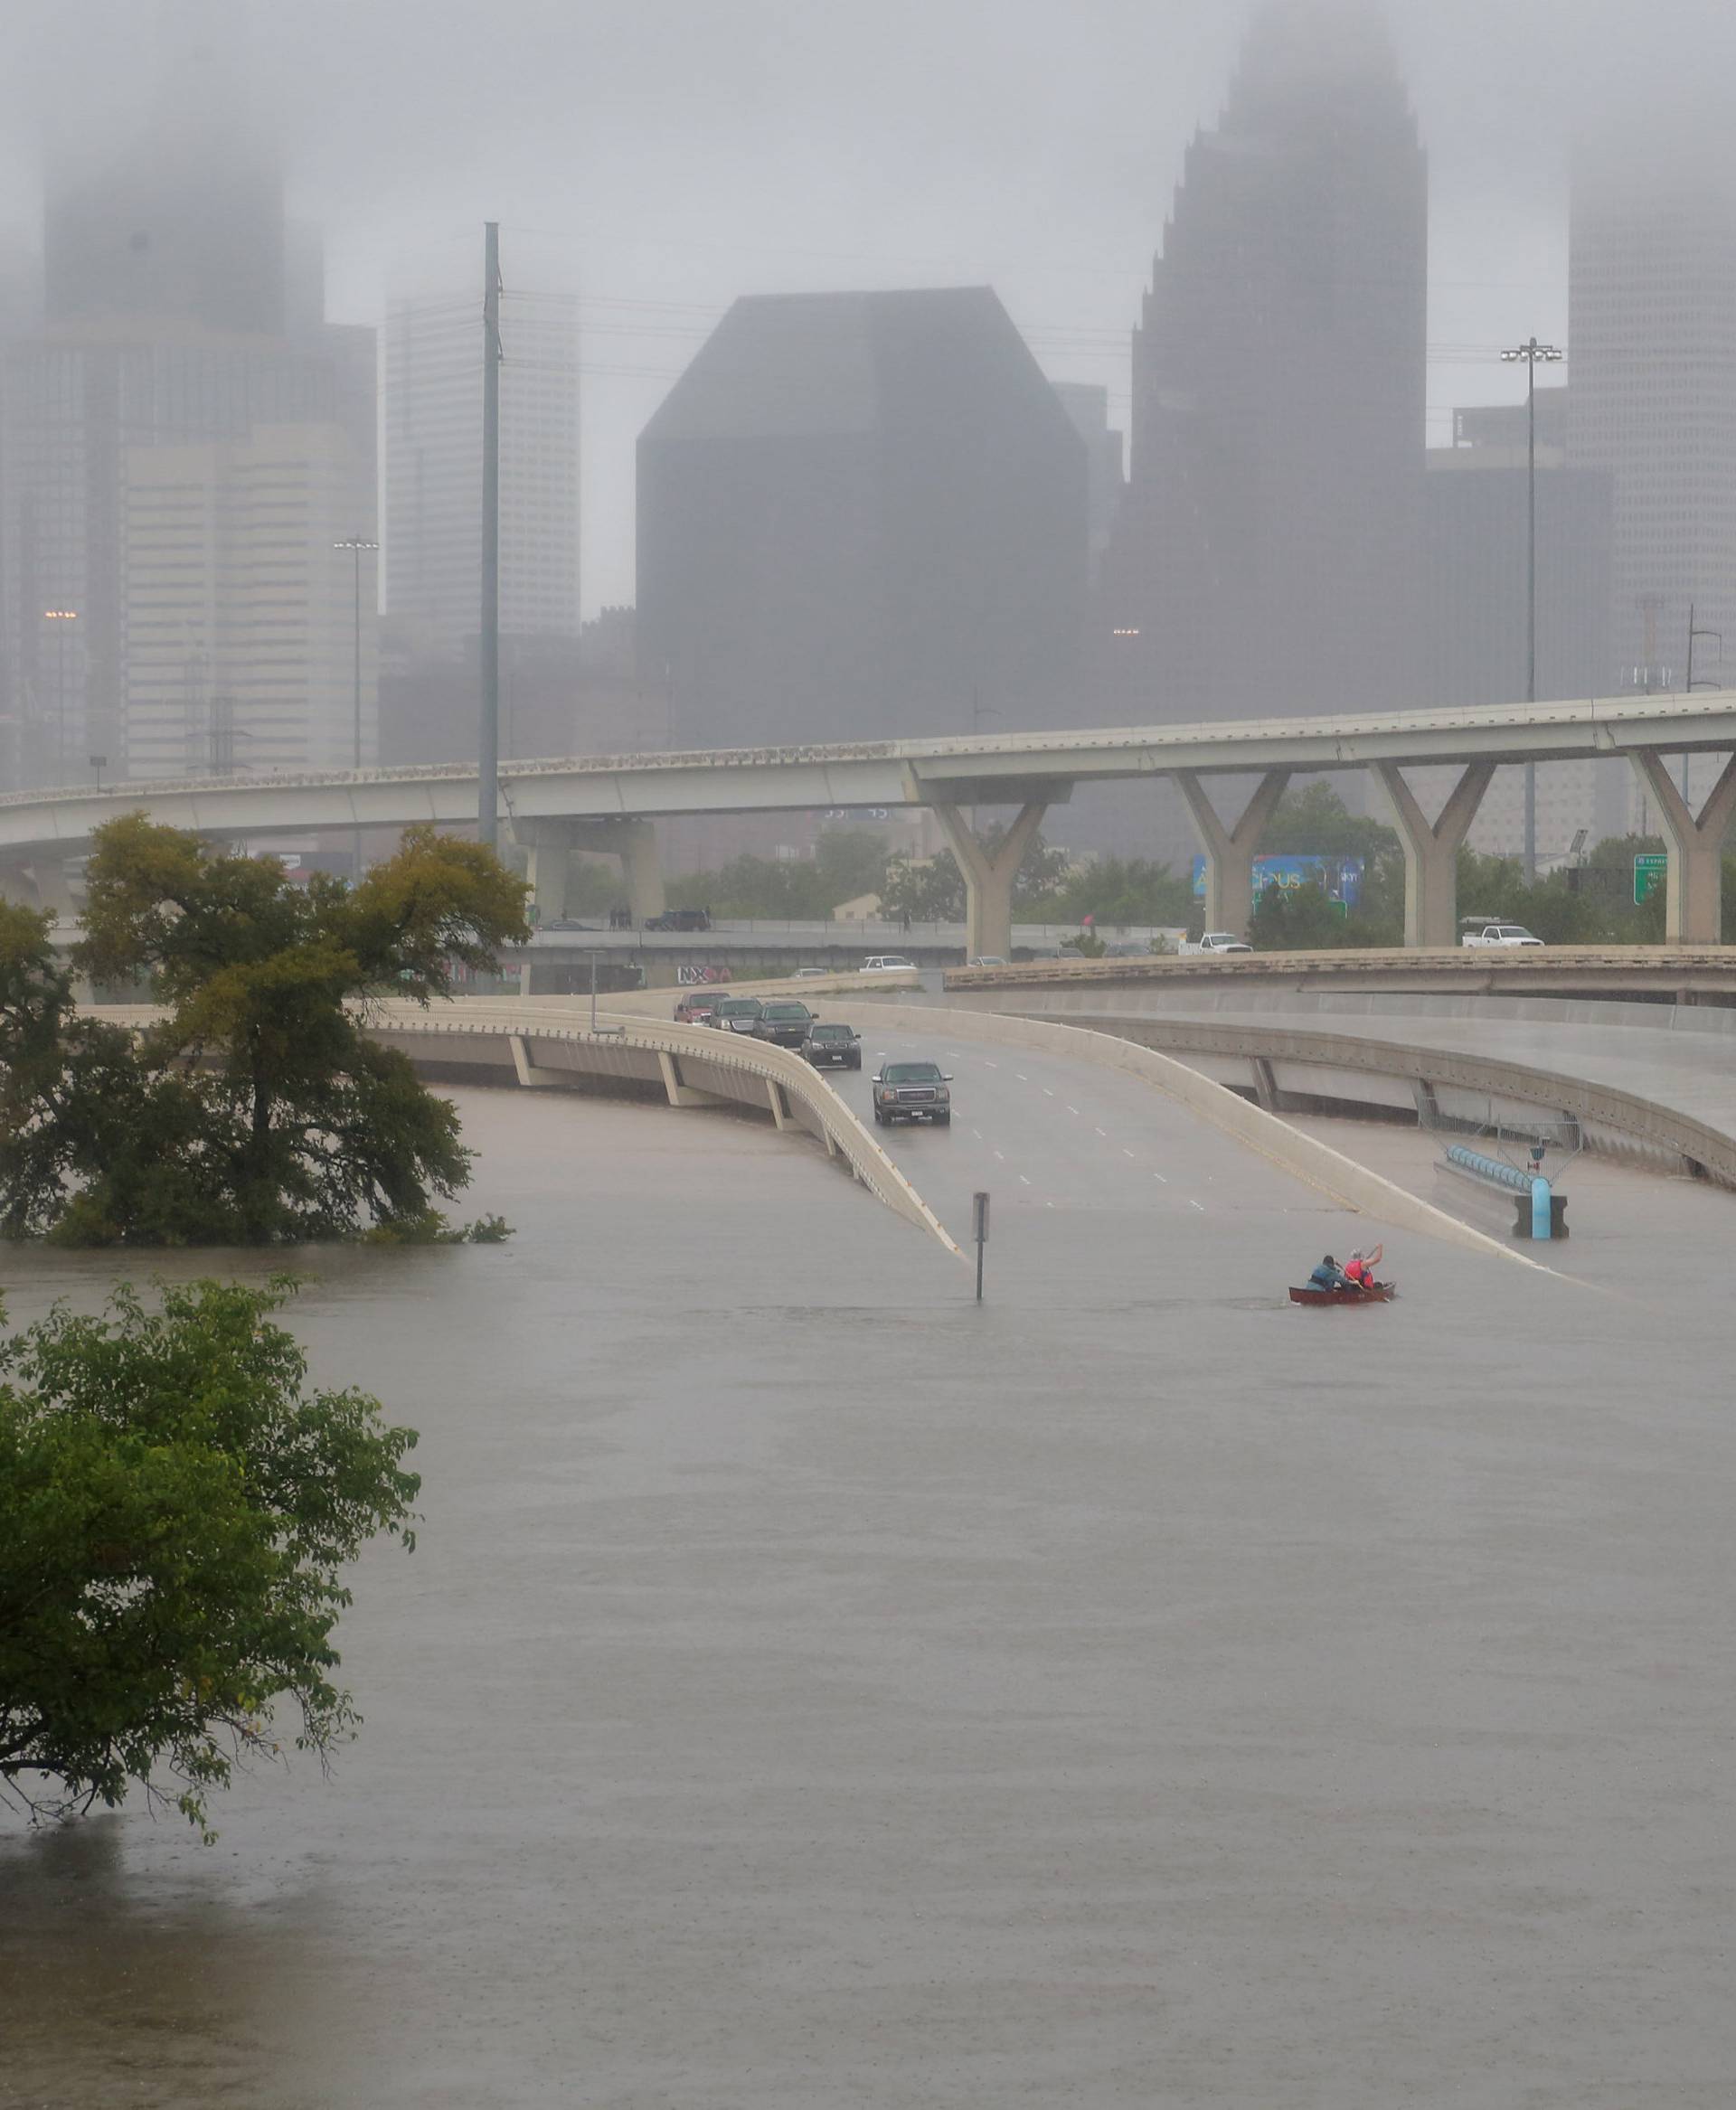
point(257, 1109)
point(177, 1511)
point(1299, 919)
point(1119, 890)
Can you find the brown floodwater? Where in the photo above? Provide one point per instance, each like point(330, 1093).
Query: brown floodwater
point(812, 1691)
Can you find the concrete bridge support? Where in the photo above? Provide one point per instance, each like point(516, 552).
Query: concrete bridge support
point(548, 845)
point(1431, 851)
point(42, 883)
point(989, 875)
point(1230, 851)
point(1694, 898)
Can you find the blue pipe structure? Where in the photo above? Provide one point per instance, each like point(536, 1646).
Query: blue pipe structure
point(1497, 1172)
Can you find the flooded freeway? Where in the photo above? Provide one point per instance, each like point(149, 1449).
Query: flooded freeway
point(812, 1691)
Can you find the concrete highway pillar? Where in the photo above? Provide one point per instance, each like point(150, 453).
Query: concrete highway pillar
point(548, 848)
point(1230, 851)
point(1431, 851)
point(635, 845)
point(1694, 898)
point(989, 875)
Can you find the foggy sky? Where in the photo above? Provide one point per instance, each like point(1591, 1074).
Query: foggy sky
point(661, 157)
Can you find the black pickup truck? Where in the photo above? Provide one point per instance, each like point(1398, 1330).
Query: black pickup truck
point(680, 919)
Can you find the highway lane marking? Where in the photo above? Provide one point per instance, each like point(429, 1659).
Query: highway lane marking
point(1104, 1134)
point(1047, 1093)
point(977, 1133)
point(1021, 1076)
point(1023, 1181)
point(1072, 1109)
point(1002, 1155)
point(1126, 1153)
point(989, 1064)
point(1159, 1177)
point(1199, 1205)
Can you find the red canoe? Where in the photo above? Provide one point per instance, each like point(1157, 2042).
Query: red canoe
point(1382, 1293)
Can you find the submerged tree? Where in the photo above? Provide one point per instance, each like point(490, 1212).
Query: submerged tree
point(177, 1511)
point(256, 1108)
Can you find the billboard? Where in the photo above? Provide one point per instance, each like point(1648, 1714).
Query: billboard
point(1342, 877)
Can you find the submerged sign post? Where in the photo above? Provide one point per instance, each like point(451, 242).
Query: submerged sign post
point(1651, 868)
point(980, 1227)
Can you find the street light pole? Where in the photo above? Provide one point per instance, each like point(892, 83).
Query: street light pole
point(1698, 630)
point(60, 618)
point(356, 544)
point(1531, 353)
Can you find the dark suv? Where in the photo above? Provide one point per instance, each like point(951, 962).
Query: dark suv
point(784, 1022)
point(736, 1014)
point(912, 1091)
point(833, 1047)
point(680, 919)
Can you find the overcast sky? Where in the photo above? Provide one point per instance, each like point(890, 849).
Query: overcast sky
point(660, 157)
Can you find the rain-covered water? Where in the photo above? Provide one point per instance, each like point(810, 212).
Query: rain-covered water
point(813, 1692)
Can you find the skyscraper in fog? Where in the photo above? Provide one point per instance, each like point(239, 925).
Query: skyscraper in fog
point(1267, 550)
point(173, 321)
point(861, 516)
point(1652, 341)
point(434, 467)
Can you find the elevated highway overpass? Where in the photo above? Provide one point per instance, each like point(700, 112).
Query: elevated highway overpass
point(610, 802)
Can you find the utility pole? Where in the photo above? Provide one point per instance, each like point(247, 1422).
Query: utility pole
point(1531, 353)
point(356, 544)
point(1698, 631)
point(489, 757)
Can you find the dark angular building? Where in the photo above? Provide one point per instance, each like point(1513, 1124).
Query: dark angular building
point(861, 516)
point(1267, 550)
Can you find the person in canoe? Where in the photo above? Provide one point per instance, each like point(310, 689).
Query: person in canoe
point(1359, 1272)
point(1329, 1275)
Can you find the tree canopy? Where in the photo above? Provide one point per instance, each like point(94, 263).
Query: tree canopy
point(177, 1510)
point(255, 1109)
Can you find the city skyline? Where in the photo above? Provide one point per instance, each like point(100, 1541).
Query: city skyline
point(1061, 138)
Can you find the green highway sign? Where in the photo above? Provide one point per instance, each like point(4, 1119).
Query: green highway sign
point(1649, 872)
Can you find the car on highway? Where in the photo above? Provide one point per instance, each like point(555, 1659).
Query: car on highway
point(889, 964)
point(680, 919)
point(912, 1091)
point(735, 1014)
point(693, 1006)
point(833, 1047)
point(988, 960)
point(1216, 941)
point(783, 1020)
point(810, 974)
point(1497, 934)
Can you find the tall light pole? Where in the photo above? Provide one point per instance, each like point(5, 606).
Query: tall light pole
point(1698, 630)
point(1531, 351)
point(488, 757)
point(355, 545)
point(60, 618)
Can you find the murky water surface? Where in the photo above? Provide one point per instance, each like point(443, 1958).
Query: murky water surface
point(814, 1692)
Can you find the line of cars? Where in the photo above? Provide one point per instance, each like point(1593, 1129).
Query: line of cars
point(902, 1091)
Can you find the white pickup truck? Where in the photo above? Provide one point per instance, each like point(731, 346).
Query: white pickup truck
point(1215, 941)
point(1497, 934)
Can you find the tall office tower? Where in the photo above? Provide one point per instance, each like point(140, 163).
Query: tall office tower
point(167, 324)
point(434, 467)
point(1088, 406)
point(239, 615)
point(861, 516)
point(1266, 555)
point(1651, 338)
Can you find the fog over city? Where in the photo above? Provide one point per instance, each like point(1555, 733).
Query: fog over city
point(662, 156)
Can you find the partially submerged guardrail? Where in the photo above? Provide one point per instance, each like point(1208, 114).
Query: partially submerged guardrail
point(789, 1087)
